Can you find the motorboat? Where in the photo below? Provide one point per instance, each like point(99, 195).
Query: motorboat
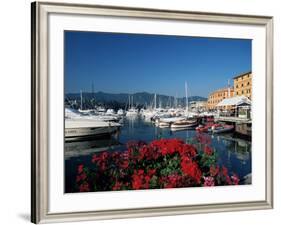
point(132, 112)
point(100, 110)
point(184, 124)
point(120, 112)
point(110, 112)
point(164, 124)
point(222, 128)
point(74, 114)
point(204, 128)
point(171, 119)
point(84, 128)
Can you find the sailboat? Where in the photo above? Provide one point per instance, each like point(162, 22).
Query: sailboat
point(132, 112)
point(81, 110)
point(187, 122)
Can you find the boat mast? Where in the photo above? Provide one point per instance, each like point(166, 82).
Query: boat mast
point(81, 99)
point(186, 98)
point(93, 91)
point(228, 89)
point(155, 106)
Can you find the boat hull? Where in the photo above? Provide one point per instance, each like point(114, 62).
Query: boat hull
point(183, 126)
point(84, 129)
point(88, 132)
point(218, 130)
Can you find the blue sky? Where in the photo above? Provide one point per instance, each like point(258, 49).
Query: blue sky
point(129, 63)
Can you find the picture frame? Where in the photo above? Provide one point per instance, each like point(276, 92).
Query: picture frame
point(41, 190)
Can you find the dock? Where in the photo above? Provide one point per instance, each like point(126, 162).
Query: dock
point(243, 126)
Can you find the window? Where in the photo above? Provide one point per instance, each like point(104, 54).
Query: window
point(242, 92)
point(237, 93)
point(237, 86)
point(242, 85)
point(248, 83)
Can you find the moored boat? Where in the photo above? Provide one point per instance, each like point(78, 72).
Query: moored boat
point(76, 129)
point(184, 124)
point(222, 128)
point(164, 124)
point(202, 128)
point(132, 112)
point(120, 112)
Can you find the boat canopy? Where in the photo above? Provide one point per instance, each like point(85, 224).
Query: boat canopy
point(235, 101)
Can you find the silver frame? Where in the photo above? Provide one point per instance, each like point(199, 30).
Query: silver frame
point(39, 170)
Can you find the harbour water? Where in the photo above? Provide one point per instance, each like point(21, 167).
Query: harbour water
point(232, 152)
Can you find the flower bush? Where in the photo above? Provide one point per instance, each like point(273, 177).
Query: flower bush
point(164, 163)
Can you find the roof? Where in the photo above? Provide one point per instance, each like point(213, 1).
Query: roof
point(221, 90)
point(242, 74)
point(237, 100)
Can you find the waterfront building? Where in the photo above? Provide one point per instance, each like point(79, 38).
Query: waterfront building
point(198, 106)
point(243, 84)
point(237, 106)
point(217, 96)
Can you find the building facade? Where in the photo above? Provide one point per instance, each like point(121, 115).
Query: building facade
point(198, 106)
point(243, 84)
point(218, 95)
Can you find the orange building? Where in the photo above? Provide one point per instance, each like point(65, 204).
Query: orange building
point(243, 84)
point(218, 95)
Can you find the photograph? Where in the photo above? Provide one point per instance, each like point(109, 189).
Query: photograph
point(149, 111)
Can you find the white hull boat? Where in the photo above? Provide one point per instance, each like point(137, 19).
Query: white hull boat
point(184, 124)
point(222, 129)
point(132, 112)
point(120, 112)
point(171, 119)
point(110, 112)
point(74, 114)
point(164, 124)
point(79, 129)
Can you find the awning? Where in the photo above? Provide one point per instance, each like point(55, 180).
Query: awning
point(235, 101)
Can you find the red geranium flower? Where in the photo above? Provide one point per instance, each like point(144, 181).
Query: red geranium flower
point(214, 170)
point(209, 181)
point(84, 187)
point(235, 179)
point(117, 186)
point(208, 150)
point(80, 168)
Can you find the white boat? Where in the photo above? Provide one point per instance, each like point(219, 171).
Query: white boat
point(120, 112)
point(148, 113)
point(171, 119)
point(164, 124)
point(100, 110)
point(132, 112)
point(184, 124)
point(222, 128)
point(74, 114)
point(110, 112)
point(86, 111)
point(81, 128)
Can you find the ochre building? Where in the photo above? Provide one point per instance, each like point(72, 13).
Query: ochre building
point(218, 95)
point(243, 84)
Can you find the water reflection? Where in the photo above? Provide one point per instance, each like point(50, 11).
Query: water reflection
point(84, 148)
point(232, 152)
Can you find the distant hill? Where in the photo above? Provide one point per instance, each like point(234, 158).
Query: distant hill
point(140, 99)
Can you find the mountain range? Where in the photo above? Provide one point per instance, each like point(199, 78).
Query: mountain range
point(139, 99)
